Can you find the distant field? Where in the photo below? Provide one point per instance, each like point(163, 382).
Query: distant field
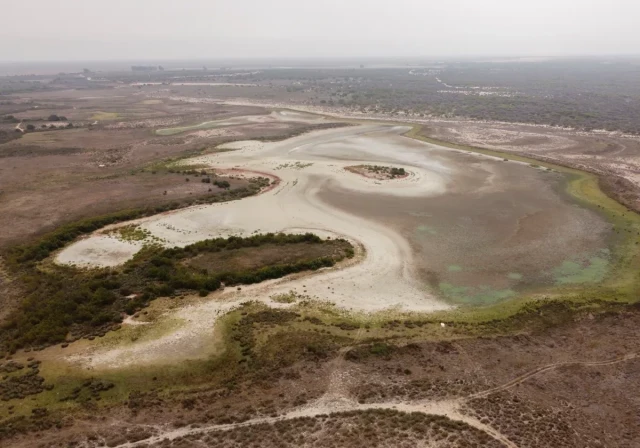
point(195, 127)
point(100, 116)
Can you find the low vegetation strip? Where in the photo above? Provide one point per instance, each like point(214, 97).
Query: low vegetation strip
point(57, 239)
point(379, 427)
point(64, 303)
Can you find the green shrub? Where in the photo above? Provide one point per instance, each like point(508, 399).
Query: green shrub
point(63, 302)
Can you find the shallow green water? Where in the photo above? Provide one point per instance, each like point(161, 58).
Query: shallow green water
point(580, 271)
point(479, 295)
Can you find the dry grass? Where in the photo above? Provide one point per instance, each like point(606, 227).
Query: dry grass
point(376, 428)
point(250, 258)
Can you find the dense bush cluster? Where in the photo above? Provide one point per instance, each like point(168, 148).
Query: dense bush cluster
point(391, 172)
point(39, 420)
point(584, 94)
point(89, 389)
point(526, 424)
point(65, 303)
point(10, 119)
point(221, 183)
point(164, 273)
point(377, 349)
point(376, 428)
point(8, 136)
point(54, 117)
point(20, 386)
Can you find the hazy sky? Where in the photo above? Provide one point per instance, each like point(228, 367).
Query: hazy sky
point(186, 29)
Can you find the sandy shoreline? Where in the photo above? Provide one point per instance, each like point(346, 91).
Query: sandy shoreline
point(385, 277)
point(313, 174)
point(305, 164)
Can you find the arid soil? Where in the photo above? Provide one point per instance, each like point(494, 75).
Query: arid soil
point(471, 249)
point(51, 177)
point(614, 155)
point(508, 229)
point(245, 366)
point(572, 385)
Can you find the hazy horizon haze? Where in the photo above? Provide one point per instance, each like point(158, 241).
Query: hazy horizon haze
point(197, 29)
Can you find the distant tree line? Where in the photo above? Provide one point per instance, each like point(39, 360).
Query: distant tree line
point(146, 68)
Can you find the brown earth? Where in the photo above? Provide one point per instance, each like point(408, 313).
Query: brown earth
point(615, 157)
point(238, 260)
point(51, 177)
point(575, 384)
point(571, 385)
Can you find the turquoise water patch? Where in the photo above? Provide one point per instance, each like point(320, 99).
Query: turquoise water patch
point(453, 291)
point(492, 296)
point(514, 276)
point(454, 268)
point(421, 214)
point(482, 295)
point(427, 229)
point(591, 271)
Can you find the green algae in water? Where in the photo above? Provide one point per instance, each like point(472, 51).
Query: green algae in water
point(575, 272)
point(514, 276)
point(452, 291)
point(427, 229)
point(489, 296)
point(483, 295)
point(454, 268)
point(421, 214)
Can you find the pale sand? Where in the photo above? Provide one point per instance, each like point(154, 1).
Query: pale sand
point(384, 277)
point(98, 250)
point(274, 117)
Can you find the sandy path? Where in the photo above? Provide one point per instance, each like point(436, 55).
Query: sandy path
point(450, 409)
point(524, 377)
point(336, 399)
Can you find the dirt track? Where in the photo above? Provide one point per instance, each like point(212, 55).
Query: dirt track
point(335, 401)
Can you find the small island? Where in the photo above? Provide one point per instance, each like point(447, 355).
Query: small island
point(378, 172)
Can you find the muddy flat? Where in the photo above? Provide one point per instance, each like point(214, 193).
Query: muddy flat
point(273, 118)
point(460, 228)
